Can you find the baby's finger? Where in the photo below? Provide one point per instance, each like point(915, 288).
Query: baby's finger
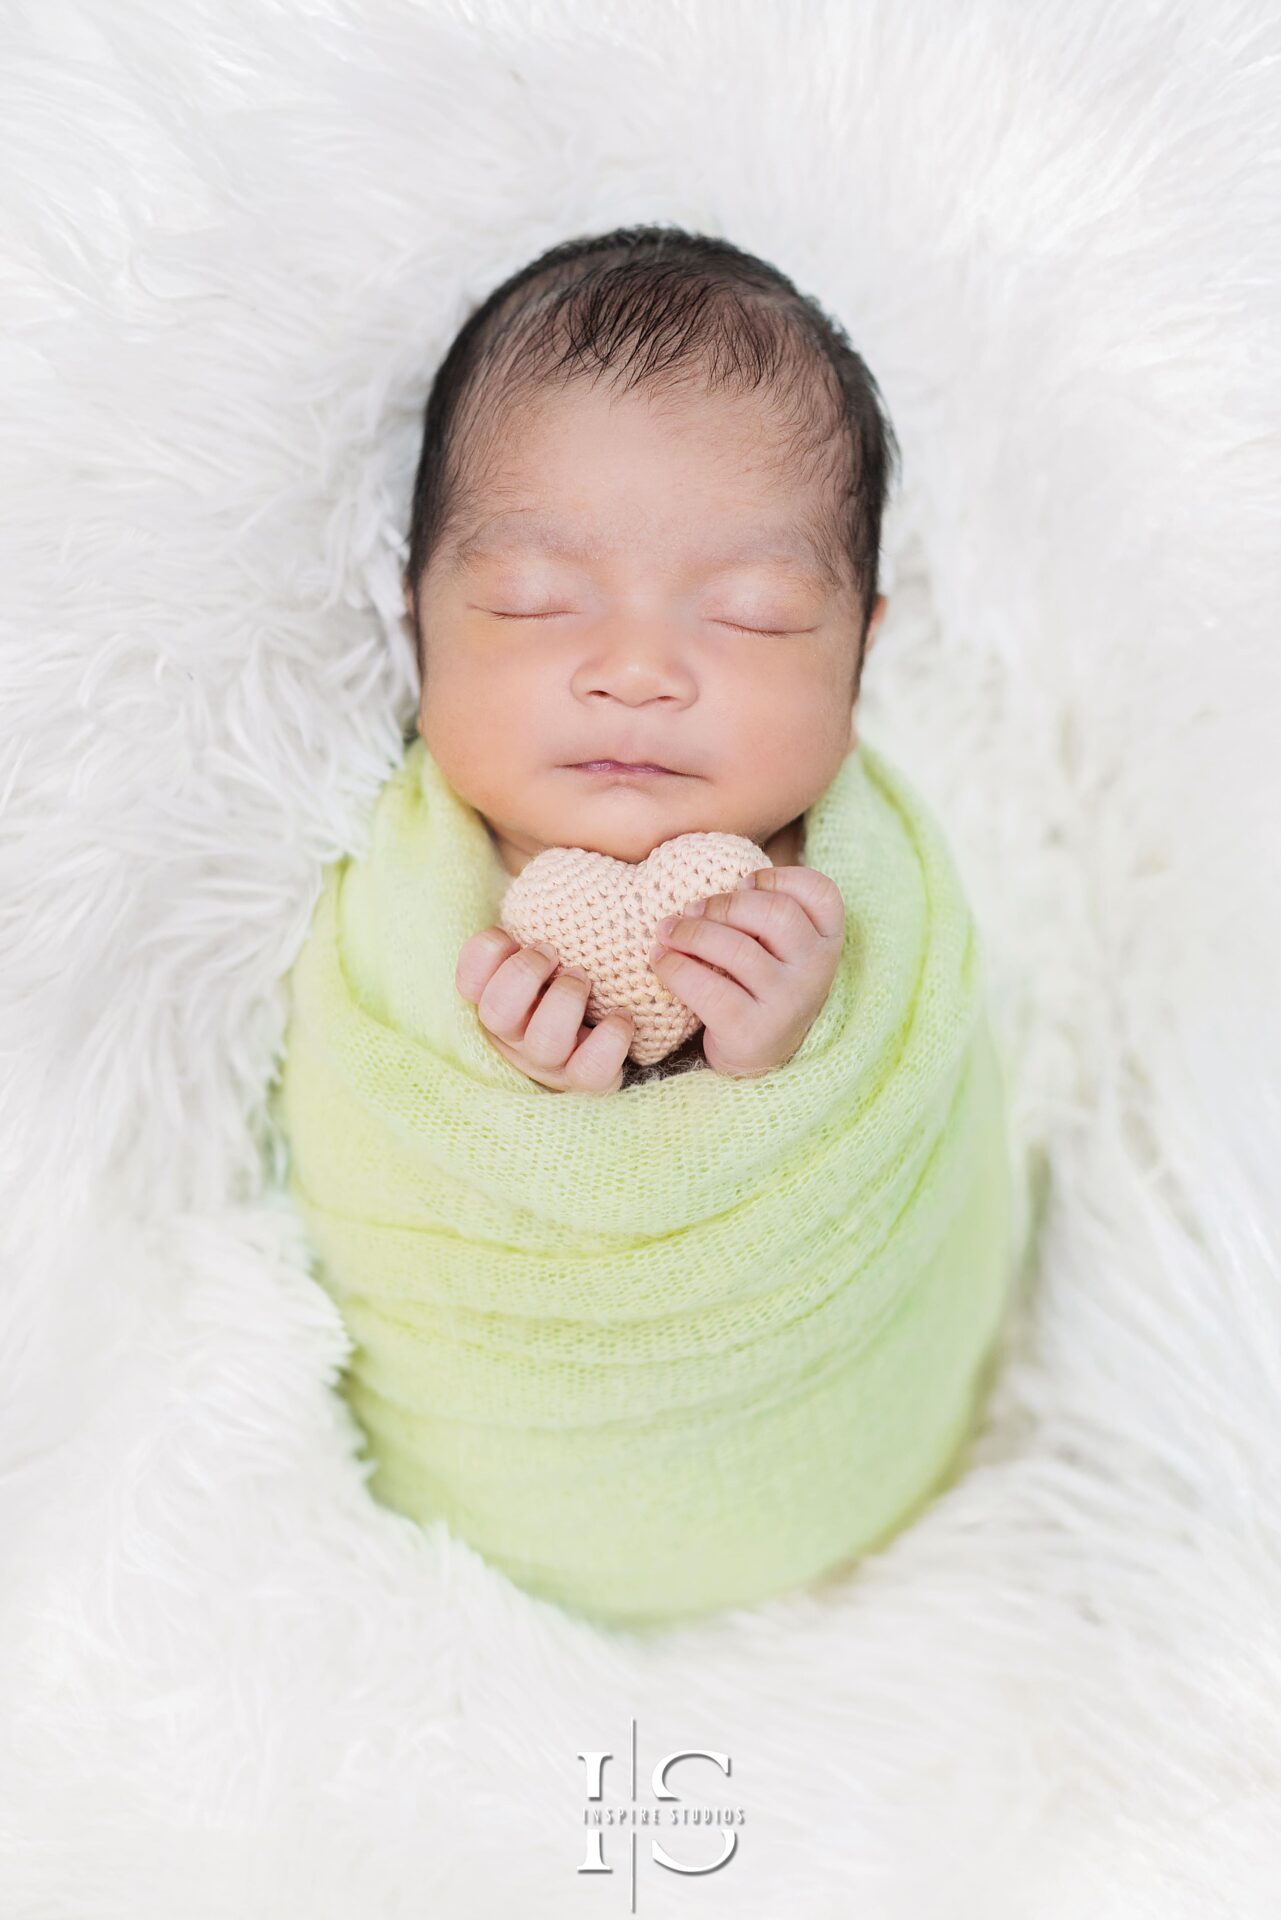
point(479, 959)
point(596, 1064)
point(556, 1021)
point(507, 1002)
point(817, 893)
point(788, 911)
point(750, 962)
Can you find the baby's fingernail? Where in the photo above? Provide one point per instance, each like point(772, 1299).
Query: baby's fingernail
point(696, 907)
point(545, 946)
point(748, 879)
point(666, 924)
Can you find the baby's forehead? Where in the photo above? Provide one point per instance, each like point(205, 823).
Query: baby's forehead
point(781, 541)
point(554, 528)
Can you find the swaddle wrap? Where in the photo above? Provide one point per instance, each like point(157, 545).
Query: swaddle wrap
point(683, 1346)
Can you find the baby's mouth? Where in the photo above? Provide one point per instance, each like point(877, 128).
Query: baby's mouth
point(622, 769)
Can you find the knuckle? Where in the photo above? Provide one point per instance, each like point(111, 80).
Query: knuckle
point(549, 1037)
point(584, 1075)
point(543, 1050)
point(718, 993)
point(504, 1005)
point(498, 1024)
point(527, 969)
point(546, 1058)
point(479, 957)
point(595, 1065)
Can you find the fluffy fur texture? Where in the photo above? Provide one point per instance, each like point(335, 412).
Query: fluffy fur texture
point(236, 238)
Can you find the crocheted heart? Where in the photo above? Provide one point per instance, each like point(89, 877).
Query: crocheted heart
point(602, 914)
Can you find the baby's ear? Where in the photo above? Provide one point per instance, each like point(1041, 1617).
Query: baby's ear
point(408, 595)
point(874, 624)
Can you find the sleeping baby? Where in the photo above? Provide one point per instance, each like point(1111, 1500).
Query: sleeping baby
point(663, 1355)
point(643, 581)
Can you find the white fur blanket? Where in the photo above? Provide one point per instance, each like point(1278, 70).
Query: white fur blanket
point(236, 240)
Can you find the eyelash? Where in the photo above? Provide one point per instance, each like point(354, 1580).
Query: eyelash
point(769, 633)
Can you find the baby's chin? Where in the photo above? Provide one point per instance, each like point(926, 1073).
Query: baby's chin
point(624, 826)
point(632, 846)
point(624, 818)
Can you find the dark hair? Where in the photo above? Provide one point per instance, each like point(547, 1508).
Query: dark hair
point(659, 307)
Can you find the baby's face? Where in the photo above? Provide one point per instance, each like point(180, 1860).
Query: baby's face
point(638, 584)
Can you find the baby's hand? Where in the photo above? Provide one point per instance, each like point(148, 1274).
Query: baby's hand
point(755, 965)
point(539, 1027)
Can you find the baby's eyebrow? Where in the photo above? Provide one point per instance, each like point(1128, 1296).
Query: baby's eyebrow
point(784, 543)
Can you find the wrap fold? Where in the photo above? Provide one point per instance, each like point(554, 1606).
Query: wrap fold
point(681, 1347)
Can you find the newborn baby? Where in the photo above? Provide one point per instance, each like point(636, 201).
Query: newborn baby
point(642, 583)
point(677, 1353)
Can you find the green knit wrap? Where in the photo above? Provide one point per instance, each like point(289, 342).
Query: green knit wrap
point(683, 1346)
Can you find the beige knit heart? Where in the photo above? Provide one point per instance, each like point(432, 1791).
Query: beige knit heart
point(602, 914)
